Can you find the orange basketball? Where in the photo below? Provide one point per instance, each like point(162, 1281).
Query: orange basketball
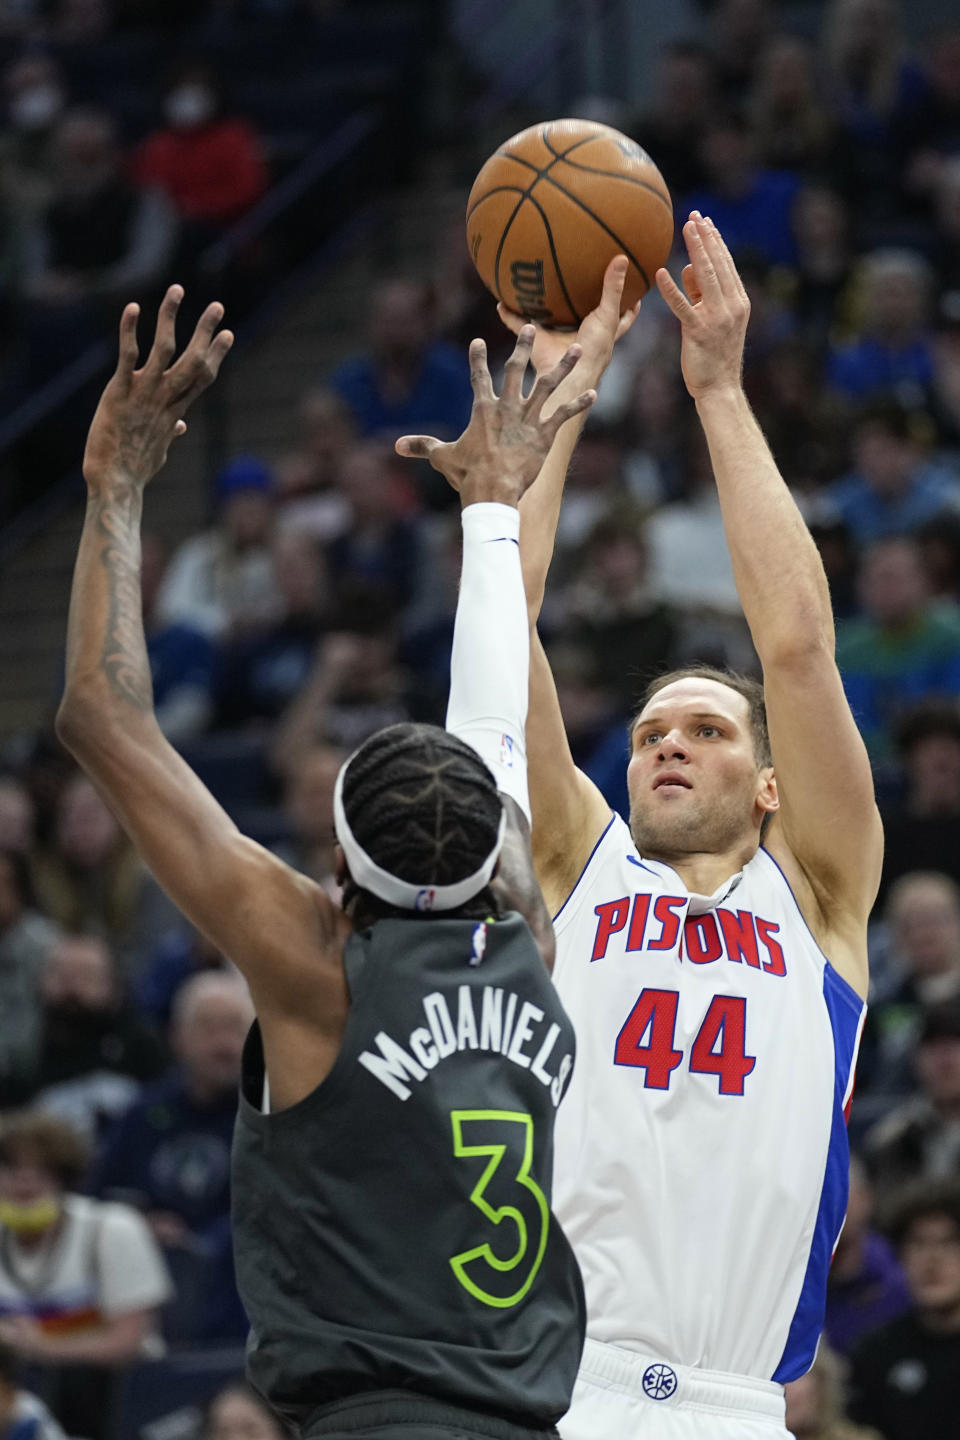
point(551, 208)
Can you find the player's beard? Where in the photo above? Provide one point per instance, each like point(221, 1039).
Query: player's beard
point(692, 827)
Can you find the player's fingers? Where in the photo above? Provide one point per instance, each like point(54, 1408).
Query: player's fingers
point(195, 373)
point(627, 319)
point(479, 372)
point(690, 287)
point(722, 260)
point(164, 344)
point(614, 279)
point(516, 366)
point(703, 266)
point(550, 379)
point(563, 413)
point(205, 329)
point(673, 295)
point(731, 265)
point(417, 447)
point(128, 352)
point(510, 318)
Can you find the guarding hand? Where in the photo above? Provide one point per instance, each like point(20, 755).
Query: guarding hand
point(141, 411)
point(500, 453)
point(599, 331)
point(714, 312)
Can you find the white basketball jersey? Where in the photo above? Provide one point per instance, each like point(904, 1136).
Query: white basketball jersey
point(701, 1149)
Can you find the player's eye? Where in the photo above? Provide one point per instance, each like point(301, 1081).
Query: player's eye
point(708, 730)
point(650, 736)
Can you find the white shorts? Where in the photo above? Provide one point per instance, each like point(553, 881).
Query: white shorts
point(626, 1395)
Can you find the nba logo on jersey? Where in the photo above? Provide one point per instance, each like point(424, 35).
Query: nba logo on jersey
point(506, 751)
point(479, 943)
point(425, 899)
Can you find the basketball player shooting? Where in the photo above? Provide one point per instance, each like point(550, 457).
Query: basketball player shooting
point(712, 954)
point(392, 1159)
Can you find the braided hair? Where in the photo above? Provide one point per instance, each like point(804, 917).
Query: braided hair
point(425, 807)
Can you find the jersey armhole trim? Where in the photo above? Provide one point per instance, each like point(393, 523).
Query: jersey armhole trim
point(589, 862)
point(804, 921)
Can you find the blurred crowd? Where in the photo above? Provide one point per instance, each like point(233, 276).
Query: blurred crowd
point(317, 607)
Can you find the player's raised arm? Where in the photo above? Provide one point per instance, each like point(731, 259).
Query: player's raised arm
point(569, 812)
point(492, 464)
point(255, 909)
point(827, 834)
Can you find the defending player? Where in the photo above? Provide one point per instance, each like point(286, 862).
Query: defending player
point(712, 956)
point(395, 1247)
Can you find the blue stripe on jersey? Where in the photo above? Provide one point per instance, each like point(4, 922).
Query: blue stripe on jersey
point(846, 1011)
point(586, 867)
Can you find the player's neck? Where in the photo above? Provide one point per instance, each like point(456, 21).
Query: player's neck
point(703, 874)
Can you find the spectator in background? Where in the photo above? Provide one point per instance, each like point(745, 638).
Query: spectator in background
point(95, 1052)
point(920, 1139)
point(822, 228)
point(933, 132)
point(922, 832)
point(221, 582)
point(684, 101)
point(815, 1409)
point(101, 238)
point(179, 954)
point(377, 556)
point(876, 89)
point(258, 676)
point(35, 93)
point(739, 31)
point(25, 938)
point(905, 647)
point(22, 1415)
point(866, 1285)
point(793, 126)
point(407, 382)
point(891, 353)
point(17, 816)
point(308, 805)
point(354, 688)
point(181, 657)
point(237, 1412)
point(750, 205)
point(613, 613)
point(90, 878)
point(209, 164)
point(939, 540)
point(170, 1152)
point(903, 1377)
point(891, 490)
point(307, 477)
point(81, 1282)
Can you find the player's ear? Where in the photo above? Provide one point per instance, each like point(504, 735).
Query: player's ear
point(768, 798)
point(341, 870)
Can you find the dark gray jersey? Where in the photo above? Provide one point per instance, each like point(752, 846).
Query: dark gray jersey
point(393, 1229)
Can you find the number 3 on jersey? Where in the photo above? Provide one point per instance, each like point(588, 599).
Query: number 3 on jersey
point(647, 1040)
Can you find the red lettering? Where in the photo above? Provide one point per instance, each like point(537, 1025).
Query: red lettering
point(777, 964)
point(611, 917)
point(655, 1012)
point(663, 910)
point(724, 1026)
point(739, 936)
point(702, 939)
point(638, 922)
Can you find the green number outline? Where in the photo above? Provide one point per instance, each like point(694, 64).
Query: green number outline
point(458, 1263)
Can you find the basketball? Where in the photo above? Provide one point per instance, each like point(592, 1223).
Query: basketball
point(551, 208)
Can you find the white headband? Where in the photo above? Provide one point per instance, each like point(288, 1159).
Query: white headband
point(371, 876)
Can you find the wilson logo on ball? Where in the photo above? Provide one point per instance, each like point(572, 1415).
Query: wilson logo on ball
point(526, 277)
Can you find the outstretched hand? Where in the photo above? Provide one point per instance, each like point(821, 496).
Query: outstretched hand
point(141, 411)
point(500, 453)
point(598, 333)
point(713, 313)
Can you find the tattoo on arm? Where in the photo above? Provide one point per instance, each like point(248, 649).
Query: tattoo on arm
point(123, 660)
